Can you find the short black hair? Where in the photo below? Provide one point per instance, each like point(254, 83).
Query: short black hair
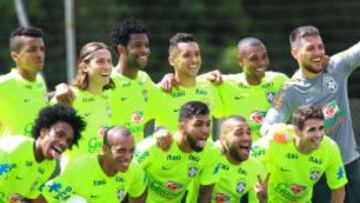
point(306, 112)
point(193, 108)
point(180, 37)
point(15, 44)
point(301, 32)
point(48, 116)
point(248, 41)
point(121, 33)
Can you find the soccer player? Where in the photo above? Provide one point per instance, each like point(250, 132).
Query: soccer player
point(105, 177)
point(185, 58)
point(298, 155)
point(250, 93)
point(325, 87)
point(23, 90)
point(239, 174)
point(27, 163)
point(91, 89)
point(128, 100)
point(190, 156)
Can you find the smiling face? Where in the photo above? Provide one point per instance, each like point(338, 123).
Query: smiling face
point(186, 59)
point(254, 60)
point(31, 55)
point(196, 131)
point(310, 54)
point(55, 140)
point(237, 140)
point(137, 50)
point(99, 67)
point(312, 134)
point(119, 150)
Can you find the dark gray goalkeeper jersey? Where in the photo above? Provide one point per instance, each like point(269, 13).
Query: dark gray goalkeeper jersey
point(330, 92)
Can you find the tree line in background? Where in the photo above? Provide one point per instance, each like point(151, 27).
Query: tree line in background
point(217, 25)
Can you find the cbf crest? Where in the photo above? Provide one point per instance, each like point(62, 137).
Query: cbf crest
point(330, 84)
point(240, 187)
point(192, 171)
point(121, 194)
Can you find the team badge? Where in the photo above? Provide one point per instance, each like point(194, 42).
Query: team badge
point(137, 117)
point(270, 97)
point(192, 171)
point(120, 194)
point(314, 175)
point(297, 189)
point(330, 84)
point(240, 187)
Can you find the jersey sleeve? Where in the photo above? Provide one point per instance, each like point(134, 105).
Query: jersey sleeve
point(347, 60)
point(138, 181)
point(144, 153)
point(260, 149)
point(335, 172)
point(217, 102)
point(209, 173)
point(5, 167)
point(61, 187)
point(156, 102)
point(280, 111)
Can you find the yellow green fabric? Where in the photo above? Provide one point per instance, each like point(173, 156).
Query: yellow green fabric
point(172, 171)
point(128, 102)
point(165, 107)
point(20, 173)
point(20, 102)
point(88, 180)
point(293, 174)
point(250, 101)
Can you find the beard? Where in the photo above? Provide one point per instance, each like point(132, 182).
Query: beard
point(235, 154)
point(313, 69)
point(134, 63)
point(192, 143)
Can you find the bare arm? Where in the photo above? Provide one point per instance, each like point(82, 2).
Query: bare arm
point(140, 199)
point(205, 193)
point(338, 195)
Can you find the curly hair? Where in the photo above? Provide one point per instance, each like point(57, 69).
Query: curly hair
point(48, 116)
point(14, 42)
point(306, 112)
point(121, 33)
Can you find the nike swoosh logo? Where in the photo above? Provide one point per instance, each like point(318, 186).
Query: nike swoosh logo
point(93, 196)
point(18, 178)
point(123, 98)
point(284, 170)
point(165, 168)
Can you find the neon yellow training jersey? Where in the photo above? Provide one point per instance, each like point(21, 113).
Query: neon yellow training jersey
point(251, 102)
point(88, 180)
point(20, 173)
point(171, 172)
point(293, 174)
point(235, 180)
point(20, 102)
point(165, 107)
point(96, 111)
point(128, 102)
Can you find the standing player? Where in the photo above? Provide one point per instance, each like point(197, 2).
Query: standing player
point(189, 157)
point(105, 177)
point(327, 89)
point(91, 89)
point(239, 174)
point(26, 163)
point(297, 156)
point(185, 57)
point(128, 99)
point(251, 92)
point(23, 89)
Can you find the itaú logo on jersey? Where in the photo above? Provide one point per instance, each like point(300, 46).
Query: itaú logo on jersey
point(221, 198)
point(292, 192)
point(330, 109)
point(257, 116)
point(137, 116)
